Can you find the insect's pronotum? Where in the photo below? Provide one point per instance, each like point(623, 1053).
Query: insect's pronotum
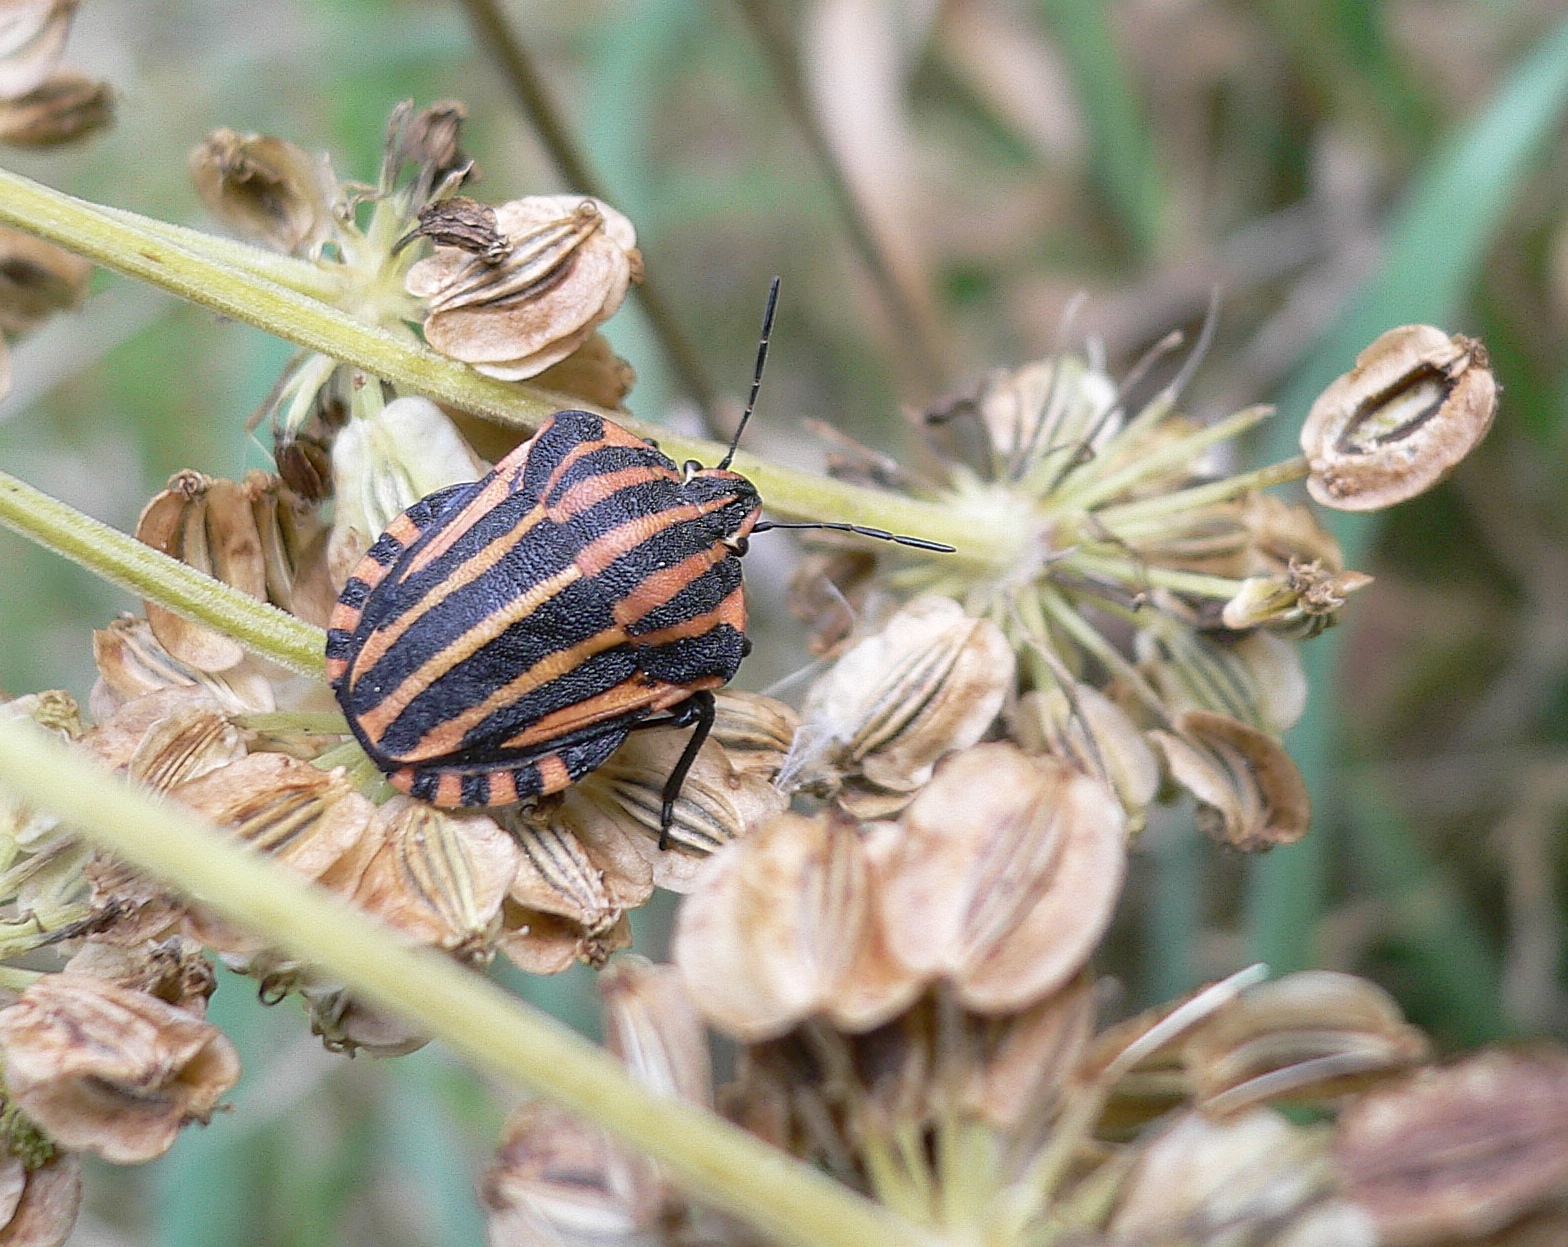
point(502, 637)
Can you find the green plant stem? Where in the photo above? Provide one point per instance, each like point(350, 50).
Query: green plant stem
point(715, 1161)
point(1151, 514)
point(150, 574)
point(121, 241)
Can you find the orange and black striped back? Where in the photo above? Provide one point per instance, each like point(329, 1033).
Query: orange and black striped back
point(502, 637)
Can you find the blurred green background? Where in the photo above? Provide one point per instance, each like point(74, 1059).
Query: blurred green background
point(1332, 167)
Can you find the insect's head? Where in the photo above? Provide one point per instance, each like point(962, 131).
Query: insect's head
point(729, 497)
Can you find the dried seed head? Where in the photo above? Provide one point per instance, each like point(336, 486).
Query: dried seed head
point(1460, 1152)
point(106, 1069)
point(651, 1024)
point(1088, 730)
point(69, 106)
point(567, 264)
point(32, 40)
point(783, 927)
point(1256, 678)
point(621, 803)
point(593, 372)
point(194, 740)
point(131, 664)
point(439, 878)
point(293, 549)
point(175, 970)
point(37, 279)
point(1306, 1036)
point(556, 1180)
point(382, 465)
point(1004, 876)
point(1250, 794)
point(432, 138)
point(39, 1204)
point(1209, 1182)
point(1047, 412)
point(1300, 603)
point(266, 188)
point(931, 681)
point(568, 901)
point(209, 524)
point(755, 730)
point(1416, 403)
point(1020, 1062)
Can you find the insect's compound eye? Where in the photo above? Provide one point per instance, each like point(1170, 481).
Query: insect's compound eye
point(690, 468)
point(738, 545)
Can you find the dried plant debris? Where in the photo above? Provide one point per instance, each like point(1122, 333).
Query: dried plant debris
point(1416, 403)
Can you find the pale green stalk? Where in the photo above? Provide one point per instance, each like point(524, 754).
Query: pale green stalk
point(714, 1161)
point(1130, 516)
point(127, 243)
point(150, 574)
point(1133, 572)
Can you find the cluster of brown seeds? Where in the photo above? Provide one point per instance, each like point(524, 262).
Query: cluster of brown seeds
point(894, 892)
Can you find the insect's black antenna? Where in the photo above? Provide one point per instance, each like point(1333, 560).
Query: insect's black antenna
point(881, 534)
point(756, 377)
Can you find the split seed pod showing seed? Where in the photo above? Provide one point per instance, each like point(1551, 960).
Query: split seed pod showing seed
point(266, 188)
point(1415, 404)
point(67, 107)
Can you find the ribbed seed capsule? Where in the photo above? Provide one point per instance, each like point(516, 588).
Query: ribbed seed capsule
point(264, 187)
point(565, 904)
point(131, 664)
point(1250, 794)
point(1415, 404)
point(1086, 729)
point(69, 106)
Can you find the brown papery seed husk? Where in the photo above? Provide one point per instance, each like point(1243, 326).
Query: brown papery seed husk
point(37, 279)
point(651, 1024)
point(1004, 877)
point(41, 1204)
point(1459, 1152)
point(782, 926)
point(193, 741)
point(131, 664)
point(1416, 403)
point(755, 730)
point(593, 372)
point(1091, 732)
point(105, 1069)
point(206, 523)
point(264, 187)
point(69, 106)
point(930, 681)
point(1310, 1036)
point(293, 539)
point(32, 40)
point(1250, 794)
point(556, 1179)
point(716, 804)
point(1255, 1170)
point(1023, 1060)
point(568, 901)
point(439, 878)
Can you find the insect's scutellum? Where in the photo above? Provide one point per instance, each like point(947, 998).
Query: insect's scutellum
point(502, 638)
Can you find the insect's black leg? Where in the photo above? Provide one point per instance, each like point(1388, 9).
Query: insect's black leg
point(698, 710)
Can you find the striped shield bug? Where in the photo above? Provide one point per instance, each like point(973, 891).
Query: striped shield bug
point(502, 637)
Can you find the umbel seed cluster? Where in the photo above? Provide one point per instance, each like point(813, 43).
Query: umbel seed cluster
point(893, 891)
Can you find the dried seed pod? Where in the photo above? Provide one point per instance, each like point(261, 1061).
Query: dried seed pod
point(931, 681)
point(1250, 794)
point(37, 279)
point(206, 523)
point(266, 188)
point(784, 927)
point(755, 730)
point(39, 1203)
point(1416, 403)
point(716, 805)
point(175, 970)
point(348, 1025)
point(1301, 602)
point(32, 40)
point(69, 106)
point(431, 138)
point(568, 901)
point(593, 372)
point(1047, 411)
point(1459, 1152)
point(193, 741)
point(1003, 877)
point(1086, 729)
point(131, 664)
point(651, 1024)
point(1021, 1061)
point(557, 1180)
point(439, 878)
point(1208, 1182)
point(1256, 678)
point(567, 264)
point(105, 1069)
point(293, 549)
point(382, 465)
point(1310, 1035)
